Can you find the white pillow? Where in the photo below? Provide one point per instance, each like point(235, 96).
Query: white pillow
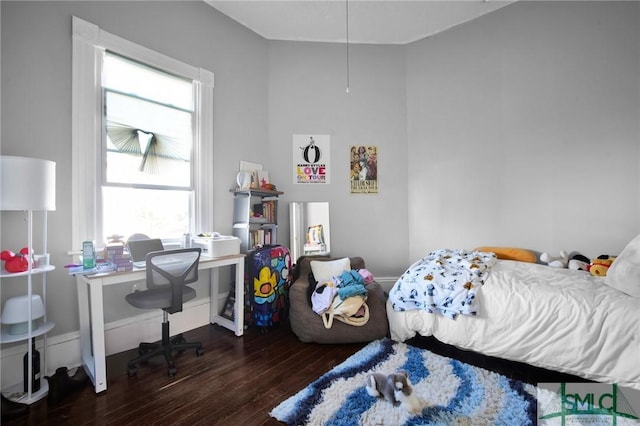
point(324, 270)
point(624, 273)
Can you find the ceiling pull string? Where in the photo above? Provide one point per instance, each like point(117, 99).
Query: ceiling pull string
point(347, 19)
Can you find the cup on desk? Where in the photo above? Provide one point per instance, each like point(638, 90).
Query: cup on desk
point(40, 260)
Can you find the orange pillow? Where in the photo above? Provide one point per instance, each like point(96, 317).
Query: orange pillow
point(511, 253)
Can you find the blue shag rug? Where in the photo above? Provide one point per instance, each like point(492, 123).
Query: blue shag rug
point(449, 392)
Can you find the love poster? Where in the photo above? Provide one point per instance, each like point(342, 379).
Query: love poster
point(311, 157)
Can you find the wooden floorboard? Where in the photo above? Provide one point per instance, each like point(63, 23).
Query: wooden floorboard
point(237, 381)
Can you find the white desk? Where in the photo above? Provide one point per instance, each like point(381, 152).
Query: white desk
point(92, 341)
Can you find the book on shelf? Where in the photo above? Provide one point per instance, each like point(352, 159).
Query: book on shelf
point(264, 211)
point(256, 238)
point(261, 237)
point(269, 210)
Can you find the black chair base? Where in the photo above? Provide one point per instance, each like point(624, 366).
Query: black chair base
point(167, 346)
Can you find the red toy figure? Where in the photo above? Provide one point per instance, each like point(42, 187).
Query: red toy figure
point(15, 262)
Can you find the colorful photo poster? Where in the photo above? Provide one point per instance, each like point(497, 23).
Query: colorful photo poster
point(311, 157)
point(364, 169)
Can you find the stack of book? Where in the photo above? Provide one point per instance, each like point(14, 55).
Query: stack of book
point(269, 209)
point(261, 237)
point(120, 260)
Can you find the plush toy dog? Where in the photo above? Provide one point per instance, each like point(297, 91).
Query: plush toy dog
point(555, 261)
point(395, 388)
point(573, 260)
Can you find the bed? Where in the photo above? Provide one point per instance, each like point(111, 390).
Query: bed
point(559, 319)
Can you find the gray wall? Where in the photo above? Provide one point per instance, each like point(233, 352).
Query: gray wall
point(523, 130)
point(519, 128)
point(307, 95)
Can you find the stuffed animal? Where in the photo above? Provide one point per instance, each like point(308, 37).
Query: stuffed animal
point(556, 261)
point(395, 388)
point(15, 262)
point(600, 265)
point(573, 260)
point(578, 262)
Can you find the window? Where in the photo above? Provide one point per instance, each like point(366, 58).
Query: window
point(146, 150)
point(142, 140)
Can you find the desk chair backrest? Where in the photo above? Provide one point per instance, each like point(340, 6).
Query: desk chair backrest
point(175, 268)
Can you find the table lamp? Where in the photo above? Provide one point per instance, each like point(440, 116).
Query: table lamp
point(27, 183)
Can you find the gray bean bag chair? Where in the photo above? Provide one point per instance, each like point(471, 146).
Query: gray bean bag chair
point(308, 325)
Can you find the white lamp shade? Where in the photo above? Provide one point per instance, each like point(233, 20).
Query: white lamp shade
point(16, 309)
point(27, 183)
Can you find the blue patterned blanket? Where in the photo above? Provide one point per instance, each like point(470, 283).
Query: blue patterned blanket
point(445, 281)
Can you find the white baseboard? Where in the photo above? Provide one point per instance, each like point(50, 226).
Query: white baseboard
point(64, 350)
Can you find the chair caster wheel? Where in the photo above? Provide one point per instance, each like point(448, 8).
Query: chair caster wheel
point(132, 371)
point(172, 371)
point(199, 352)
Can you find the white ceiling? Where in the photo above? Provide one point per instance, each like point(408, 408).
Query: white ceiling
point(370, 21)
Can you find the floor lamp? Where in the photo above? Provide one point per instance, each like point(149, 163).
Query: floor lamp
point(28, 184)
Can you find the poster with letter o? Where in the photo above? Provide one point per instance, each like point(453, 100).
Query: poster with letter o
point(311, 158)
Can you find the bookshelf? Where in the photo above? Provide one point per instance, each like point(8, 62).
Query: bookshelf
point(255, 217)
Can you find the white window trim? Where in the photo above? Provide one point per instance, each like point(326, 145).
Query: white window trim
point(89, 43)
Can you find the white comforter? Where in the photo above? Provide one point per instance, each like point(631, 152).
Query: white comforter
point(559, 319)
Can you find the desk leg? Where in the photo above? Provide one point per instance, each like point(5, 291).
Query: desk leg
point(214, 296)
point(97, 330)
point(85, 327)
point(239, 305)
point(92, 331)
point(237, 326)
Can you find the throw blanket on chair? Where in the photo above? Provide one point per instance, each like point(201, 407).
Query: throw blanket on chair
point(445, 282)
point(344, 298)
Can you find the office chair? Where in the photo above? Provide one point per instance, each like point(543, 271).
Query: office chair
point(168, 272)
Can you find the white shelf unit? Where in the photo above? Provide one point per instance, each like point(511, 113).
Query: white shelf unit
point(254, 231)
point(28, 185)
point(16, 392)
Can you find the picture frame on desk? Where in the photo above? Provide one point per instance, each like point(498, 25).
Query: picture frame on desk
point(263, 178)
point(255, 179)
point(249, 166)
point(253, 168)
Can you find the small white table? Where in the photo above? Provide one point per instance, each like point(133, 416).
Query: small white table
point(92, 341)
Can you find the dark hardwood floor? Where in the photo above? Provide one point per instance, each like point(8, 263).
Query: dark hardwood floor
point(236, 382)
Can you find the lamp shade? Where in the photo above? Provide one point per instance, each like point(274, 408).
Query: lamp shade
point(16, 313)
point(27, 183)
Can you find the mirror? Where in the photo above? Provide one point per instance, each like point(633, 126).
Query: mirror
point(309, 229)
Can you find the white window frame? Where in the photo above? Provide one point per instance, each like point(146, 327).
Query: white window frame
point(89, 44)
